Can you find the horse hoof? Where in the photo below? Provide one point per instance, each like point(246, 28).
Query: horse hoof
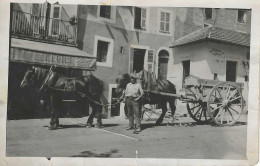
point(98, 126)
point(52, 128)
point(158, 123)
point(88, 125)
point(169, 125)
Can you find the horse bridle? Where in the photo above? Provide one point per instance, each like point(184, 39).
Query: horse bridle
point(45, 82)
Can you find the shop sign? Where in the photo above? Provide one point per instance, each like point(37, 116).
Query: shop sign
point(44, 58)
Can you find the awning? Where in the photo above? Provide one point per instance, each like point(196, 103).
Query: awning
point(32, 52)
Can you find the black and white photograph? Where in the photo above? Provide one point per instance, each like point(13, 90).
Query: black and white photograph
point(135, 81)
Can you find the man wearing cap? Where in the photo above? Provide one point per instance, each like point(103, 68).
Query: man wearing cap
point(133, 93)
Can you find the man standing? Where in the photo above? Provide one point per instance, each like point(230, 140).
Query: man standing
point(133, 93)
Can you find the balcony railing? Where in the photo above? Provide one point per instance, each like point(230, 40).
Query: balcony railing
point(42, 28)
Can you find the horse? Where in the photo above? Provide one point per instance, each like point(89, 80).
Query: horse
point(150, 84)
point(54, 86)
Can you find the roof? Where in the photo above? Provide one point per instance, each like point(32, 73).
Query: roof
point(217, 34)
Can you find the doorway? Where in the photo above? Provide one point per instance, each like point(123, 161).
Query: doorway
point(163, 64)
point(138, 60)
point(186, 70)
point(231, 71)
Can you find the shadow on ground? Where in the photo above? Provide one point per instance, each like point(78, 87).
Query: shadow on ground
point(91, 154)
point(186, 124)
point(236, 124)
point(80, 126)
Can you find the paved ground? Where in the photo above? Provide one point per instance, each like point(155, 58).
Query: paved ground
point(31, 138)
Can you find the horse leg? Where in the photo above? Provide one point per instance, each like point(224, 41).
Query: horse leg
point(98, 115)
point(172, 102)
point(164, 110)
point(91, 116)
point(96, 111)
point(54, 123)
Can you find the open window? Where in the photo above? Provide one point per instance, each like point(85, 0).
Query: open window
point(208, 13)
point(241, 16)
point(105, 12)
point(140, 18)
point(104, 51)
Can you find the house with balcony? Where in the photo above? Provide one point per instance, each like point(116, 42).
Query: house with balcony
point(41, 35)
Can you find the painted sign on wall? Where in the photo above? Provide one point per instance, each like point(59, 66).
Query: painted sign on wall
point(43, 58)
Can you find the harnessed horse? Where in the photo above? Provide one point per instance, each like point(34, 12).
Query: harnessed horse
point(54, 86)
point(149, 83)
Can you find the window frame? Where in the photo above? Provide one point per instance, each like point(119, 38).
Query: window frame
point(236, 62)
point(237, 16)
point(52, 18)
point(206, 15)
point(146, 19)
point(109, 62)
point(112, 14)
point(159, 21)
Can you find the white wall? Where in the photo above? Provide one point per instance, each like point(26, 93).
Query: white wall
point(204, 64)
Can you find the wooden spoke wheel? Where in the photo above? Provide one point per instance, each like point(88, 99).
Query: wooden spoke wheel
point(225, 103)
point(198, 112)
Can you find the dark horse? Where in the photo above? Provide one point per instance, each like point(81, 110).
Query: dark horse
point(150, 84)
point(54, 86)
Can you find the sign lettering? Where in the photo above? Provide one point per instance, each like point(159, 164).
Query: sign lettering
point(26, 56)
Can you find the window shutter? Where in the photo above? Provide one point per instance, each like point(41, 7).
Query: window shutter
point(143, 18)
point(150, 61)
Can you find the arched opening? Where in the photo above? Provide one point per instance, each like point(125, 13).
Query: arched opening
point(163, 64)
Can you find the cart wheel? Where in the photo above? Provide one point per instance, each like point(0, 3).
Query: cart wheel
point(225, 103)
point(198, 112)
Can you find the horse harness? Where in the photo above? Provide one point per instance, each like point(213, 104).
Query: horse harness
point(71, 89)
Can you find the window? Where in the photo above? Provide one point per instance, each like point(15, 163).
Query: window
point(231, 71)
point(56, 12)
point(140, 18)
point(241, 16)
point(186, 69)
point(103, 49)
point(36, 9)
point(208, 13)
point(105, 11)
point(215, 77)
point(165, 22)
point(55, 22)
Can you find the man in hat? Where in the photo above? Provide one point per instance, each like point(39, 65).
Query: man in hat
point(133, 93)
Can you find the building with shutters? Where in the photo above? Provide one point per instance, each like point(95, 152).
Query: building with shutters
point(125, 39)
point(211, 44)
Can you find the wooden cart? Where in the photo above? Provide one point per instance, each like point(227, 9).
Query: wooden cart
point(209, 100)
